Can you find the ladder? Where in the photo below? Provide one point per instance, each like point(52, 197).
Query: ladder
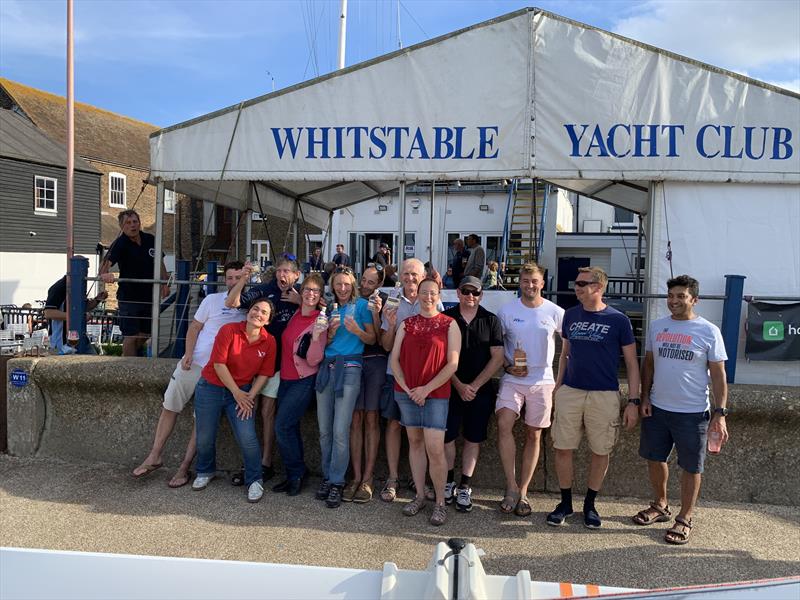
point(524, 236)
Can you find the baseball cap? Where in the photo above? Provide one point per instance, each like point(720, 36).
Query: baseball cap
point(384, 245)
point(469, 280)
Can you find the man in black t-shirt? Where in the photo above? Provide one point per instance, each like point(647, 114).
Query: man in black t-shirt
point(472, 397)
point(134, 251)
point(55, 308)
point(460, 256)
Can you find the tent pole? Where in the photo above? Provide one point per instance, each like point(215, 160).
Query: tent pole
point(157, 269)
point(401, 190)
point(248, 225)
point(294, 230)
point(342, 32)
point(430, 238)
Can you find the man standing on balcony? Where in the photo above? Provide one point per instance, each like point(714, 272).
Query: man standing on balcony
point(476, 262)
point(134, 251)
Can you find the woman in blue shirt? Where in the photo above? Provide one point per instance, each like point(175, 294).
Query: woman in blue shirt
point(339, 381)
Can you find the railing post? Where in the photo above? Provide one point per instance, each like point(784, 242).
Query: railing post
point(79, 269)
point(182, 268)
point(731, 317)
point(211, 276)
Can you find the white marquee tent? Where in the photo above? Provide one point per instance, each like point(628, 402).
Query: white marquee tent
point(712, 158)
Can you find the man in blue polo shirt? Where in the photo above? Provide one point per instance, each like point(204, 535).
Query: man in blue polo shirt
point(134, 251)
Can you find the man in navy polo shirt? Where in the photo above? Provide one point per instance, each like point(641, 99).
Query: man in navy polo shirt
point(134, 251)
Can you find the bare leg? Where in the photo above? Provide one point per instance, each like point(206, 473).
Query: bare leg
point(434, 445)
point(507, 446)
point(164, 428)
point(564, 468)
point(450, 454)
point(356, 443)
point(690, 489)
point(393, 439)
point(530, 458)
point(469, 457)
point(181, 476)
point(659, 474)
point(130, 345)
point(372, 437)
point(268, 422)
point(417, 458)
point(597, 471)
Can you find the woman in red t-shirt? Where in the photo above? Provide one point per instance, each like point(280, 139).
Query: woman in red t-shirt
point(242, 360)
point(424, 358)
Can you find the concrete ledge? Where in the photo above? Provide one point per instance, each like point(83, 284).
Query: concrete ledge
point(105, 409)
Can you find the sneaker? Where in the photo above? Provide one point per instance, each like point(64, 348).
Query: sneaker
point(558, 517)
point(349, 491)
point(591, 519)
point(324, 490)
point(334, 499)
point(439, 515)
point(283, 486)
point(295, 487)
point(237, 478)
point(201, 482)
point(449, 492)
point(255, 491)
point(463, 499)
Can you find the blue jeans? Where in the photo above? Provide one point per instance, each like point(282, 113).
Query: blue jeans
point(210, 401)
point(294, 396)
point(335, 416)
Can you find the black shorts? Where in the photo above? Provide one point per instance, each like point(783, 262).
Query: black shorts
point(687, 432)
point(373, 380)
point(474, 415)
point(135, 318)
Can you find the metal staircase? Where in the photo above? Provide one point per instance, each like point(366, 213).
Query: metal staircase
point(524, 229)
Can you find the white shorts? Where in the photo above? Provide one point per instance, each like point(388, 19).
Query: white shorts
point(181, 387)
point(270, 389)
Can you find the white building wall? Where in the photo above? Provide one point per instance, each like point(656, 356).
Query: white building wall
point(26, 277)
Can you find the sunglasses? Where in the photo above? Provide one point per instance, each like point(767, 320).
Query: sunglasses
point(345, 270)
point(582, 284)
point(288, 256)
point(377, 266)
point(475, 293)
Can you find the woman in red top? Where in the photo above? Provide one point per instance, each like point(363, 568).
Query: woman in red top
point(242, 360)
point(424, 358)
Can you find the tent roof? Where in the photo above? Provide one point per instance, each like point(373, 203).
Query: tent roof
point(528, 94)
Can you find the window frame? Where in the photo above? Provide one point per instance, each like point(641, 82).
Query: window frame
point(174, 196)
point(40, 210)
point(111, 190)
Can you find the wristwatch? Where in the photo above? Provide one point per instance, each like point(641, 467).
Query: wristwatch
point(721, 411)
point(634, 401)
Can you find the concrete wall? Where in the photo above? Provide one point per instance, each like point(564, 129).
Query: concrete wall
point(105, 409)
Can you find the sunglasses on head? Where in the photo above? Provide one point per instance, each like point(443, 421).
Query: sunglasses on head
point(377, 266)
point(475, 293)
point(581, 284)
point(288, 256)
point(345, 270)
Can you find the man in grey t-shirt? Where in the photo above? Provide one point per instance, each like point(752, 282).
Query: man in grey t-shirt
point(476, 262)
point(683, 352)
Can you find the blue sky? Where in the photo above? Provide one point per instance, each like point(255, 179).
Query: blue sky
point(166, 61)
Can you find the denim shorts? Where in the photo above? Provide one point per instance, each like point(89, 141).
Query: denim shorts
point(433, 415)
point(687, 432)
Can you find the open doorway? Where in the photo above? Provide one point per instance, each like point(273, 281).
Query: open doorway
point(364, 246)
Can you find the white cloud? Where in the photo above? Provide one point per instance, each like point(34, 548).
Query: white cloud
point(737, 35)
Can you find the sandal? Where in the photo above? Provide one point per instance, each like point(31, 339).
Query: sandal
point(679, 533)
point(523, 508)
point(509, 502)
point(147, 470)
point(180, 481)
point(389, 491)
point(439, 515)
point(653, 514)
point(413, 507)
point(363, 494)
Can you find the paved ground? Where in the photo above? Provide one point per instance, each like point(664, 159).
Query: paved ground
point(97, 507)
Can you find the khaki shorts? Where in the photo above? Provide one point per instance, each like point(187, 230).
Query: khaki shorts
point(181, 387)
point(598, 412)
point(270, 388)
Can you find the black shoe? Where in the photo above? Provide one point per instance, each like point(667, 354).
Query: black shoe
point(267, 473)
point(334, 499)
point(558, 517)
point(591, 519)
point(237, 478)
point(295, 487)
point(324, 490)
point(283, 486)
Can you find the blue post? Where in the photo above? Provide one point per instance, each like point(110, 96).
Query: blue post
point(79, 269)
point(182, 271)
point(731, 315)
point(211, 272)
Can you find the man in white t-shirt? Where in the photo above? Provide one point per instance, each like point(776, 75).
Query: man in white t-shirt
point(530, 325)
point(683, 351)
point(211, 315)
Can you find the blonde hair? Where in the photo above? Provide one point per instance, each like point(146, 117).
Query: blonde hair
point(598, 275)
point(531, 268)
point(349, 274)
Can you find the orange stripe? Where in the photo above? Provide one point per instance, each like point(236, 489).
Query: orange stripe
point(592, 589)
point(565, 589)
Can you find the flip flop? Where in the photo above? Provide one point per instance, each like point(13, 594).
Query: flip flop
point(147, 470)
point(509, 503)
point(523, 508)
point(183, 480)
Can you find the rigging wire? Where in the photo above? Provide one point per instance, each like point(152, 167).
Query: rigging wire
point(666, 223)
point(408, 12)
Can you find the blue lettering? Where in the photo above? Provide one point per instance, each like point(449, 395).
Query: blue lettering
point(358, 131)
point(339, 145)
point(781, 141)
point(486, 141)
point(398, 140)
point(596, 142)
point(672, 129)
point(574, 138)
point(312, 141)
point(459, 142)
point(611, 141)
point(443, 145)
point(377, 141)
point(640, 140)
point(748, 142)
point(700, 142)
point(289, 138)
point(418, 144)
point(727, 135)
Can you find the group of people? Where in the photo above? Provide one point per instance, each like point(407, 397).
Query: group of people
point(363, 355)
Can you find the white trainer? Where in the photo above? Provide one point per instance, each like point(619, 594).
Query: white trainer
point(464, 499)
point(255, 491)
point(201, 482)
point(449, 492)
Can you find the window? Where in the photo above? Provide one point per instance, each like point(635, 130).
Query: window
point(169, 202)
point(45, 195)
point(622, 215)
point(116, 190)
point(209, 218)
